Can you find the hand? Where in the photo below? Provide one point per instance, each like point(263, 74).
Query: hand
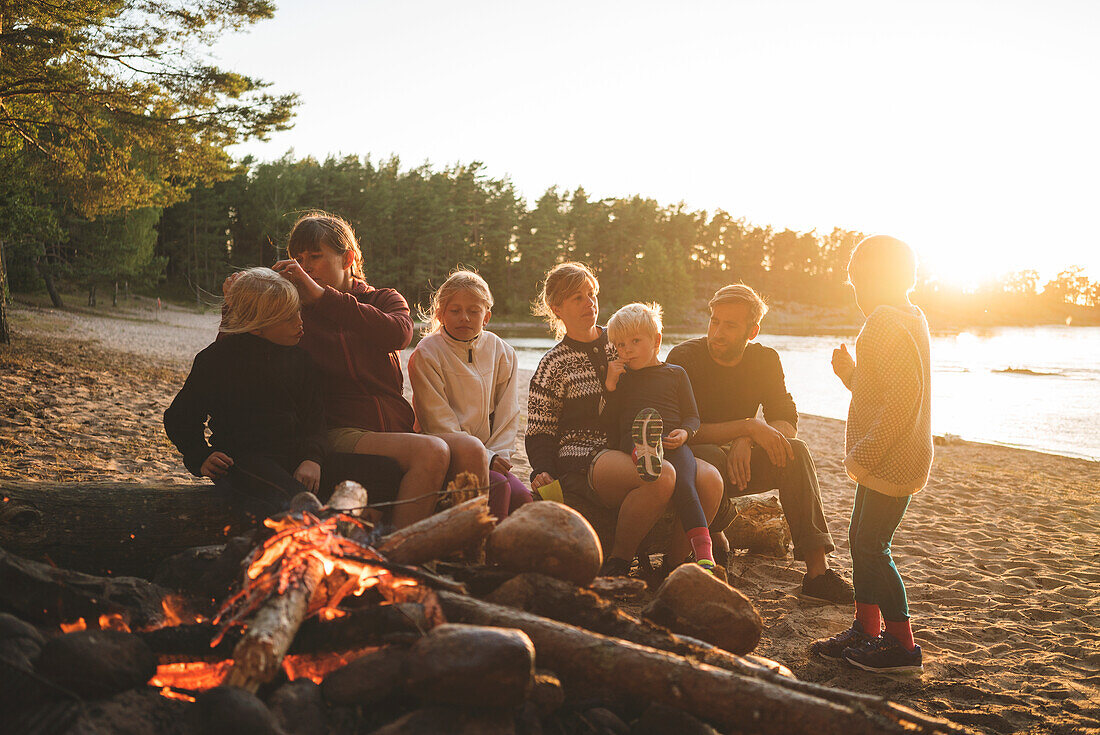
point(309, 474)
point(228, 283)
point(843, 364)
point(738, 462)
point(773, 441)
point(542, 478)
point(308, 289)
point(615, 370)
point(675, 439)
point(216, 465)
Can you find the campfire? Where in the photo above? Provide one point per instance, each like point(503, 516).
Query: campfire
point(434, 628)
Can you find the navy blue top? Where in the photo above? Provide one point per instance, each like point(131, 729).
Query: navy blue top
point(663, 387)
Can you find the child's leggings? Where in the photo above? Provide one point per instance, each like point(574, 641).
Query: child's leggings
point(685, 498)
point(506, 493)
point(875, 518)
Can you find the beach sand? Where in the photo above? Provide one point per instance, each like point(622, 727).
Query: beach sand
point(1000, 553)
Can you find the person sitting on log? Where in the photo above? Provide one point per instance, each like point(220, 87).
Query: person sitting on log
point(259, 395)
point(464, 382)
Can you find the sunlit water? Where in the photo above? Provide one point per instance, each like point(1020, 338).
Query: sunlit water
point(1031, 387)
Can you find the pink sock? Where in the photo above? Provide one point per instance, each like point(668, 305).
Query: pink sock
point(903, 632)
point(869, 618)
point(700, 543)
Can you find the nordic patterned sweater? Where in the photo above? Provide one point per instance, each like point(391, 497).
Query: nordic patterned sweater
point(563, 406)
point(888, 438)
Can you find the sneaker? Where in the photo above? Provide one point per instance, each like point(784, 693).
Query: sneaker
point(833, 648)
point(613, 566)
point(827, 587)
point(885, 655)
point(648, 450)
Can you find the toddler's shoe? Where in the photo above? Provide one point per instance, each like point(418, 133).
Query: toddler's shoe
point(885, 655)
point(648, 449)
point(833, 648)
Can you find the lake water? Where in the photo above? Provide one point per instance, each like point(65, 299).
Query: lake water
point(1031, 387)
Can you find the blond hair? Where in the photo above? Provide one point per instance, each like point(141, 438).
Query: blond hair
point(563, 280)
point(885, 260)
point(635, 319)
point(259, 298)
point(459, 280)
point(739, 293)
point(316, 228)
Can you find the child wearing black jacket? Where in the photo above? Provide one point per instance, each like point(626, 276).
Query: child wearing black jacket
point(258, 395)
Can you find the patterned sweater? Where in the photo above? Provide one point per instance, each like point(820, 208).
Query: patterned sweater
point(563, 406)
point(888, 439)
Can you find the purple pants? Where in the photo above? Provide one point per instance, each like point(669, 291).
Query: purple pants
point(506, 493)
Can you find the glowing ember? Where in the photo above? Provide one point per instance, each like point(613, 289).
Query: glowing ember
point(113, 621)
point(178, 612)
point(316, 668)
point(196, 676)
point(78, 624)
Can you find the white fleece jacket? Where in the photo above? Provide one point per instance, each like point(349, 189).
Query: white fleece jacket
point(467, 387)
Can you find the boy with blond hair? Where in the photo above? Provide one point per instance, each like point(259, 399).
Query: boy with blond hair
point(645, 398)
point(888, 451)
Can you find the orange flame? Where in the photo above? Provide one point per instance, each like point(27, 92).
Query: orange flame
point(178, 612)
point(74, 626)
point(113, 621)
point(193, 675)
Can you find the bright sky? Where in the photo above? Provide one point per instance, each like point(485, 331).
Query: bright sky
point(968, 128)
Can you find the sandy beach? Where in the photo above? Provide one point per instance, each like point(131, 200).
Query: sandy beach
point(1001, 552)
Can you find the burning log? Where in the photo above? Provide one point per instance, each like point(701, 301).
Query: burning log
point(588, 661)
point(456, 529)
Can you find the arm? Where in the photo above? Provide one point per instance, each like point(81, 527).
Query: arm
point(388, 325)
point(312, 411)
point(505, 406)
point(430, 403)
point(185, 418)
point(544, 408)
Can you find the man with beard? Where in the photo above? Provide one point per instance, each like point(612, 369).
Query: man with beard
point(732, 379)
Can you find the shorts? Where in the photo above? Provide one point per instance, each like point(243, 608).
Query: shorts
point(345, 438)
point(576, 489)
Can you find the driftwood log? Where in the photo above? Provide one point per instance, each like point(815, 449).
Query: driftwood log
point(271, 630)
point(588, 661)
point(456, 529)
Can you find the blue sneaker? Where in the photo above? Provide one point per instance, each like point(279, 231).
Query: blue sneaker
point(885, 655)
point(833, 648)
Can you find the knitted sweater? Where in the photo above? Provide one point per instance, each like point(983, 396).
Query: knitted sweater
point(467, 387)
point(563, 406)
point(888, 438)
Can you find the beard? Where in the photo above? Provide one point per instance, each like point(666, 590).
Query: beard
point(729, 352)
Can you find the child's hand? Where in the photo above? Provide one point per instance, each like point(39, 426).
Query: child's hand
point(542, 478)
point(308, 289)
point(500, 464)
point(615, 370)
point(843, 364)
point(309, 474)
point(675, 439)
point(216, 465)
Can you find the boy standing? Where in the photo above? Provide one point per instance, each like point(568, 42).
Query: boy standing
point(888, 450)
point(644, 398)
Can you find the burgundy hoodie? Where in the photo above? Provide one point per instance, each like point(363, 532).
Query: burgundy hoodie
point(354, 338)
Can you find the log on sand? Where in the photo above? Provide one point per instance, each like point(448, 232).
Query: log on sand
point(436, 537)
point(589, 661)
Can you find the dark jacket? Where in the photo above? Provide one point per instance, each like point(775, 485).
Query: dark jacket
point(255, 395)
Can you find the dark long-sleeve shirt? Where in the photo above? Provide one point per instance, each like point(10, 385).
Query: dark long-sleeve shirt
point(255, 395)
point(726, 393)
point(664, 388)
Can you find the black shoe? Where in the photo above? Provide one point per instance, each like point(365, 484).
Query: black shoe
point(827, 587)
point(613, 566)
point(834, 648)
point(885, 655)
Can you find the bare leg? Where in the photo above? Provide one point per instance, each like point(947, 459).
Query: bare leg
point(616, 483)
point(708, 484)
point(467, 455)
point(423, 459)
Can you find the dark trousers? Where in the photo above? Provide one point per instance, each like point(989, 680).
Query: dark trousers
point(685, 496)
point(799, 493)
point(875, 518)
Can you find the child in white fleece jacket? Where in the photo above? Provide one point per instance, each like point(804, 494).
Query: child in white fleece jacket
point(464, 382)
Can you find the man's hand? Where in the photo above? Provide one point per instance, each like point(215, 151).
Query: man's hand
point(773, 441)
point(500, 464)
point(737, 462)
point(216, 465)
point(542, 478)
point(308, 289)
point(843, 365)
point(675, 439)
point(309, 474)
point(615, 370)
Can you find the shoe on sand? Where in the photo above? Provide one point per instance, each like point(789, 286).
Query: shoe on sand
point(885, 655)
point(613, 566)
point(833, 648)
point(828, 587)
point(648, 450)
